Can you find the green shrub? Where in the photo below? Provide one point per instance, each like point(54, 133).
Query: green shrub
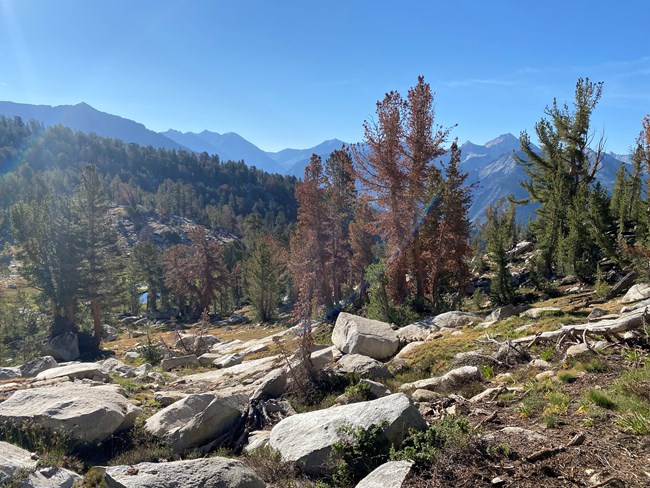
point(360, 392)
point(422, 447)
point(357, 452)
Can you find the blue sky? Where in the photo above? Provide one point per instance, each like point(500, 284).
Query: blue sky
point(294, 73)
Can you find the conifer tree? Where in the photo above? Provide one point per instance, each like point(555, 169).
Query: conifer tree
point(265, 277)
point(564, 171)
point(97, 241)
point(396, 170)
point(308, 245)
point(497, 230)
point(454, 229)
point(44, 233)
point(341, 195)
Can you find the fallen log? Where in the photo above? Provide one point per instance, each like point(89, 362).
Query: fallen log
point(610, 328)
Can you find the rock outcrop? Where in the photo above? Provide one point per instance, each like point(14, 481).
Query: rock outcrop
point(388, 475)
point(357, 335)
point(87, 413)
point(62, 347)
point(196, 419)
point(307, 438)
point(215, 472)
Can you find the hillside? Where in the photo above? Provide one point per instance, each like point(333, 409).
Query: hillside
point(509, 398)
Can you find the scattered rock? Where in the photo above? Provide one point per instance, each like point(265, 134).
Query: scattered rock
point(537, 312)
point(109, 333)
point(520, 248)
point(638, 292)
point(143, 369)
point(196, 473)
point(501, 313)
point(357, 335)
point(88, 413)
point(376, 389)
point(257, 439)
point(516, 432)
point(540, 363)
point(132, 355)
point(363, 366)
point(325, 357)
point(422, 395)
point(455, 319)
point(545, 375)
point(50, 477)
point(91, 371)
point(179, 362)
point(228, 360)
point(413, 333)
point(307, 438)
point(166, 398)
point(63, 347)
point(453, 379)
point(36, 366)
point(389, 475)
point(408, 349)
point(577, 350)
point(196, 419)
point(12, 459)
point(196, 343)
point(273, 385)
point(208, 358)
point(596, 313)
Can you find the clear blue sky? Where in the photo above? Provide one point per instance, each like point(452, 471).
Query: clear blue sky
point(294, 73)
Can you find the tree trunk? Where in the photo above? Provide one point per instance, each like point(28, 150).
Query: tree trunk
point(97, 321)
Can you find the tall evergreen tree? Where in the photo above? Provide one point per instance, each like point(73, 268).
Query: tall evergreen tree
point(497, 231)
point(563, 171)
point(97, 241)
point(46, 239)
point(265, 277)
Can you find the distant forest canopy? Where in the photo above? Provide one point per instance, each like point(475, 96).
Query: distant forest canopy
point(35, 160)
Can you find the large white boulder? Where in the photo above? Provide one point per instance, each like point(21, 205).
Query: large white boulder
point(88, 413)
point(91, 371)
point(307, 438)
point(361, 366)
point(357, 335)
point(389, 475)
point(324, 357)
point(455, 319)
point(638, 292)
point(196, 419)
point(212, 472)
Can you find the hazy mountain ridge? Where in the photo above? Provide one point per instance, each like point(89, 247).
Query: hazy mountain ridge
point(85, 118)
point(492, 167)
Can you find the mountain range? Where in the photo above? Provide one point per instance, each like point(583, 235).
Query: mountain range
point(492, 167)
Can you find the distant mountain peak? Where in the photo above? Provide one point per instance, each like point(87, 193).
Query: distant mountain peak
point(503, 140)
